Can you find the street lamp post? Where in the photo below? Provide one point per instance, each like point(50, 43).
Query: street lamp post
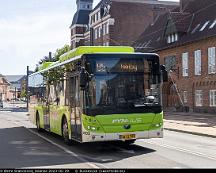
point(27, 87)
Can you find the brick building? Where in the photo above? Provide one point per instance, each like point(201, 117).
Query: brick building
point(4, 88)
point(80, 22)
point(185, 39)
point(117, 22)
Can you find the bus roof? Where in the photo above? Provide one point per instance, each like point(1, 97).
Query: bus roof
point(95, 49)
point(87, 50)
point(78, 52)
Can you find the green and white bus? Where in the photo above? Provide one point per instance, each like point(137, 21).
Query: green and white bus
point(95, 94)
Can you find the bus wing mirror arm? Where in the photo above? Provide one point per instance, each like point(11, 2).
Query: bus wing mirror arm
point(83, 78)
point(164, 73)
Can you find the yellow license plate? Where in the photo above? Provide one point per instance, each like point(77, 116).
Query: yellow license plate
point(127, 137)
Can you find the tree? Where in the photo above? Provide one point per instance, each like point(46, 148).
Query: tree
point(56, 57)
point(61, 51)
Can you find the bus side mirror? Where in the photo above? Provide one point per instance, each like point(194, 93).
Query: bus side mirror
point(83, 78)
point(164, 73)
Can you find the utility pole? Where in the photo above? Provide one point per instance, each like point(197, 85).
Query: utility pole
point(27, 87)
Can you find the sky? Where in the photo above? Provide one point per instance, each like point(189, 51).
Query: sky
point(30, 29)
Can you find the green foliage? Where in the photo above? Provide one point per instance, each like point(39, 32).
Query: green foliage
point(23, 94)
point(57, 54)
point(61, 51)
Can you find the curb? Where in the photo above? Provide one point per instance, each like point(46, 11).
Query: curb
point(193, 133)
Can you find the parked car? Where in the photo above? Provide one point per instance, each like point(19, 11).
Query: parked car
point(1, 104)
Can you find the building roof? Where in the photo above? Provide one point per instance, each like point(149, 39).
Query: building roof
point(81, 17)
point(151, 2)
point(194, 22)
point(14, 78)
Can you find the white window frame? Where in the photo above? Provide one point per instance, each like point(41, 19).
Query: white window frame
point(185, 96)
point(169, 39)
point(212, 98)
point(176, 37)
point(107, 30)
point(198, 62)
point(211, 60)
point(185, 57)
point(172, 38)
point(199, 98)
point(95, 33)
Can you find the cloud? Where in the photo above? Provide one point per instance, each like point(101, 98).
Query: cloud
point(24, 40)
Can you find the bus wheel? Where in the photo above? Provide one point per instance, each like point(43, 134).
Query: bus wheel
point(65, 132)
point(38, 123)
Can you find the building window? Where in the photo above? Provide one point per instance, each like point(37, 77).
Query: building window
point(170, 63)
point(185, 64)
point(105, 28)
point(212, 95)
point(211, 60)
point(176, 37)
point(198, 98)
point(172, 38)
point(96, 33)
point(198, 63)
point(169, 39)
point(99, 15)
point(185, 96)
point(99, 32)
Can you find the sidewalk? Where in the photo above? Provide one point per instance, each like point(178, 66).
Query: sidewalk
point(193, 123)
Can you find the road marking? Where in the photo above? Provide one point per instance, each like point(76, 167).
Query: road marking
point(182, 150)
point(59, 146)
point(65, 150)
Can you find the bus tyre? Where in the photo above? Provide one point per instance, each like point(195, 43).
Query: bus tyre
point(38, 123)
point(65, 132)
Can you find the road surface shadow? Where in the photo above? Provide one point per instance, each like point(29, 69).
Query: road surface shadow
point(20, 148)
point(101, 152)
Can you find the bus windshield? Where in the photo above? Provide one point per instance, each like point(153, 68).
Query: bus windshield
point(123, 85)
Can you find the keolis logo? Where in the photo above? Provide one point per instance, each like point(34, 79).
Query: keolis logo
point(121, 121)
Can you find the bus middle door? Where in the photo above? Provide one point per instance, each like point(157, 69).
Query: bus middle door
point(76, 114)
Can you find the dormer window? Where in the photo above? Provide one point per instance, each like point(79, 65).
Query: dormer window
point(172, 38)
point(176, 37)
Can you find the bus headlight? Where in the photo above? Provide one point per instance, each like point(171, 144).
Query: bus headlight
point(157, 125)
point(92, 128)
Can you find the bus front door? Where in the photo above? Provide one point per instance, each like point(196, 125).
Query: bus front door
point(76, 125)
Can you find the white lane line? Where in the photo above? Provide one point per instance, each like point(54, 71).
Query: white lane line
point(65, 150)
point(61, 147)
point(182, 150)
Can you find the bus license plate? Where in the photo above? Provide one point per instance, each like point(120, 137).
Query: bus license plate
point(127, 137)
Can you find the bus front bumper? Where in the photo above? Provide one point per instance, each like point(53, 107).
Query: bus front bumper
point(96, 137)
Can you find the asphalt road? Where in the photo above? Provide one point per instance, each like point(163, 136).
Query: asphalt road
point(22, 147)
